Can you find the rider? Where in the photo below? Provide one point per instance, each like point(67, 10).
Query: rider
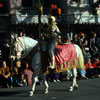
point(51, 37)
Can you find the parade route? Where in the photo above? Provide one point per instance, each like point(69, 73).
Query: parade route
point(88, 90)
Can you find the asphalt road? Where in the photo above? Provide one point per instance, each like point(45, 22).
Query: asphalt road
point(88, 90)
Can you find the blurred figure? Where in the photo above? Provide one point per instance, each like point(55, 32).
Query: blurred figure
point(98, 42)
point(14, 77)
point(89, 69)
point(56, 77)
point(22, 80)
point(75, 39)
point(20, 34)
point(28, 74)
point(6, 52)
point(93, 45)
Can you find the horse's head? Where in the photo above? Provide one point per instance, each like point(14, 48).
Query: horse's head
point(15, 49)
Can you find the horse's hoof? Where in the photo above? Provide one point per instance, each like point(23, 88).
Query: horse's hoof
point(31, 93)
point(71, 89)
point(46, 92)
point(76, 86)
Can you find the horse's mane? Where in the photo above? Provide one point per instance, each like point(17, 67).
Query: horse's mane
point(27, 43)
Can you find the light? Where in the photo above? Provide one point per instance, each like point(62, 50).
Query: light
point(1, 5)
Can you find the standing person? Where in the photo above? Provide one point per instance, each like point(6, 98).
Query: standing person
point(51, 37)
point(93, 45)
point(86, 51)
point(75, 39)
point(83, 43)
point(98, 42)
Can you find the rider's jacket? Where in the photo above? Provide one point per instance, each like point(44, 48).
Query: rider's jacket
point(52, 32)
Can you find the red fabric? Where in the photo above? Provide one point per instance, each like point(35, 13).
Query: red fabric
point(65, 53)
point(94, 65)
point(28, 73)
point(88, 66)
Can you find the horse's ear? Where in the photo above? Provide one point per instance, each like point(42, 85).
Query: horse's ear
point(12, 37)
point(16, 35)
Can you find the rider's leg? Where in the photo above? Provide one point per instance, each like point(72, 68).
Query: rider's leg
point(51, 48)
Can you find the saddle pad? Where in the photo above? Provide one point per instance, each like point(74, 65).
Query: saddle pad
point(65, 57)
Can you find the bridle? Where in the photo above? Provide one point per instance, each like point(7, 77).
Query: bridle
point(23, 46)
point(16, 48)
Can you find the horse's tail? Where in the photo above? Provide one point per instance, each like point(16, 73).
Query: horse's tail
point(81, 59)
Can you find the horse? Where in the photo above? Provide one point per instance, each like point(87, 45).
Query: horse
point(21, 47)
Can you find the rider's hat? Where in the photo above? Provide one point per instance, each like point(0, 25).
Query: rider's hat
point(52, 17)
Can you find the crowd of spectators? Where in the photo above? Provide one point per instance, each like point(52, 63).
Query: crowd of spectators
point(14, 76)
point(90, 46)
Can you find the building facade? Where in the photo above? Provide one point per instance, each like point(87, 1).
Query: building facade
point(22, 15)
point(4, 20)
point(81, 16)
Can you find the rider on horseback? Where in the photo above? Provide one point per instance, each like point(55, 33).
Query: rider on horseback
point(51, 37)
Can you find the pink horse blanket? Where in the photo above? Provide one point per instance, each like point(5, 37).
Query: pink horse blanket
point(65, 57)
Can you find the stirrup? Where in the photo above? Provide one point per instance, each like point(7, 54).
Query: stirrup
point(51, 67)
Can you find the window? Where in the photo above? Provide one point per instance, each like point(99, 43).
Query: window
point(26, 3)
point(82, 1)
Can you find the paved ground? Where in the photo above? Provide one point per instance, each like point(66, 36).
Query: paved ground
point(88, 90)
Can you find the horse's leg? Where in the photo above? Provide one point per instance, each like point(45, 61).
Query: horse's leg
point(33, 86)
point(74, 83)
point(45, 84)
point(36, 65)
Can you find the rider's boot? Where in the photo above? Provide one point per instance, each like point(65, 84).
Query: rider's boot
point(52, 66)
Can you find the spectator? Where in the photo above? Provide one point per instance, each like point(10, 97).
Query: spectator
point(81, 73)
point(82, 40)
point(97, 59)
point(69, 75)
point(95, 66)
point(20, 34)
point(93, 45)
point(89, 69)
point(6, 52)
point(86, 50)
point(98, 42)
point(15, 77)
point(75, 39)
point(5, 75)
point(28, 74)
point(56, 78)
point(22, 80)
